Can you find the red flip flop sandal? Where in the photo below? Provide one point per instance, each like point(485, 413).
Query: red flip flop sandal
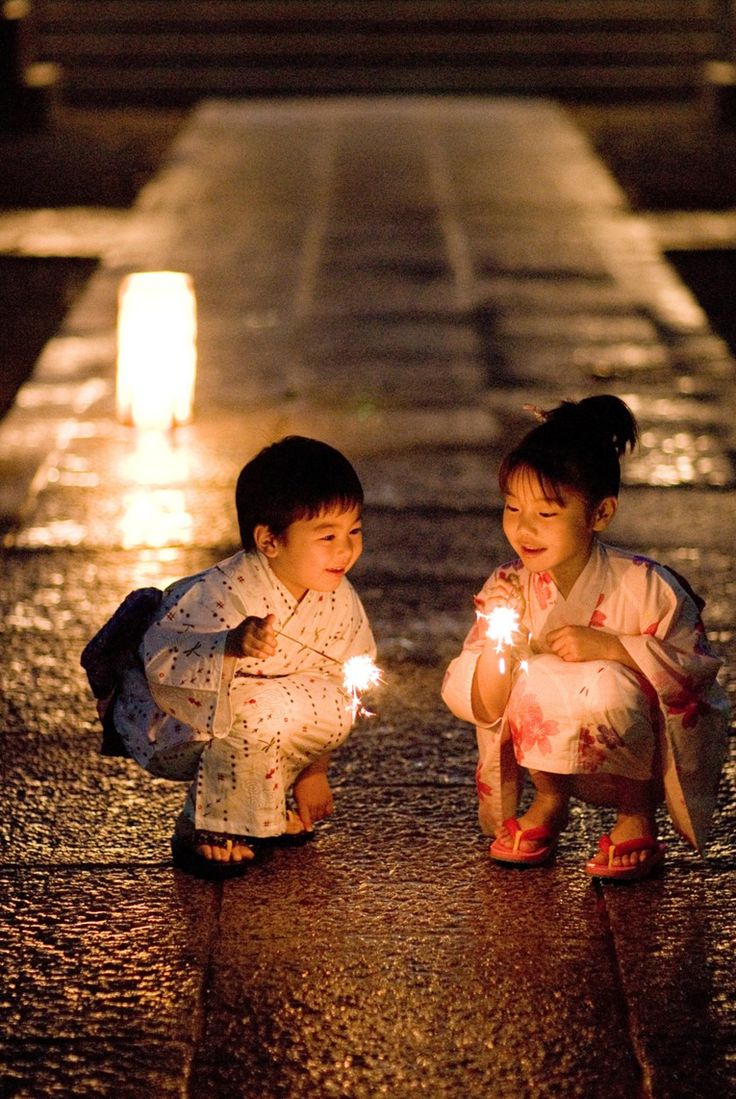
point(638, 870)
point(540, 834)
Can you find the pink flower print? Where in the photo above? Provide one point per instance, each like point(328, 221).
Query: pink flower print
point(687, 705)
point(484, 790)
point(542, 582)
point(590, 754)
point(529, 728)
point(598, 618)
point(594, 745)
point(510, 570)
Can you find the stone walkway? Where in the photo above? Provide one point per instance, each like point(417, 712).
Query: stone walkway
point(398, 277)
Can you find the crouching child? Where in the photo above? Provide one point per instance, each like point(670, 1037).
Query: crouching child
point(232, 679)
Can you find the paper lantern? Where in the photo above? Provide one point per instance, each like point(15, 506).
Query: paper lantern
point(157, 349)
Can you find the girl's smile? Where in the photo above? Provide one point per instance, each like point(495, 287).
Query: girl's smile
point(550, 535)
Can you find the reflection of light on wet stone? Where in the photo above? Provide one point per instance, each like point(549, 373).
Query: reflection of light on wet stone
point(679, 458)
point(620, 359)
point(155, 459)
point(72, 475)
point(59, 532)
point(157, 517)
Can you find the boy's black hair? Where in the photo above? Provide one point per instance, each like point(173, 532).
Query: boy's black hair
point(577, 446)
point(295, 478)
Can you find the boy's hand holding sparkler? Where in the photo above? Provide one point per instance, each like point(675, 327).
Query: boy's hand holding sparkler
point(254, 637)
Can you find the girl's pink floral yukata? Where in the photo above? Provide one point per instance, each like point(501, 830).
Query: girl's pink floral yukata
point(241, 743)
point(598, 717)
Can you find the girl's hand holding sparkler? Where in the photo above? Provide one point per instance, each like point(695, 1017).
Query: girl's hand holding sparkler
point(500, 607)
point(501, 593)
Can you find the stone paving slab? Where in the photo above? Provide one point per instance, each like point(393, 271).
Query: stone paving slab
point(89, 1068)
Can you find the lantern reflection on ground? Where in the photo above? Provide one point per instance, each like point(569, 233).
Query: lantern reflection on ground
point(155, 517)
point(154, 509)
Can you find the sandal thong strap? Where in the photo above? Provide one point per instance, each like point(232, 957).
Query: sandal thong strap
point(628, 847)
point(540, 832)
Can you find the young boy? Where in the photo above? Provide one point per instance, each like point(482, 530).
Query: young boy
point(237, 687)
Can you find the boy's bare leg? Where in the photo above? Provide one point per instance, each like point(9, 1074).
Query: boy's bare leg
point(312, 794)
point(549, 807)
point(230, 852)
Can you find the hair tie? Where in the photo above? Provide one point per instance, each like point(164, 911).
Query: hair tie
point(538, 413)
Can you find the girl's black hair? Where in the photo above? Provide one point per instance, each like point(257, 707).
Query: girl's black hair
point(578, 446)
point(295, 478)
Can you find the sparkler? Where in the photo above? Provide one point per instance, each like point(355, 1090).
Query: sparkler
point(360, 673)
point(502, 623)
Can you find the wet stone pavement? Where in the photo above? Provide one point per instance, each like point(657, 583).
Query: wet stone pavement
point(398, 277)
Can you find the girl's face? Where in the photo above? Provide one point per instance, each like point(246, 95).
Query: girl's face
point(313, 553)
point(549, 536)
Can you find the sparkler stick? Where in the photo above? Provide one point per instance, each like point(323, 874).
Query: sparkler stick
point(360, 673)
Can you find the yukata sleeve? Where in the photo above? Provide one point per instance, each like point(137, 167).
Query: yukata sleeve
point(672, 649)
point(183, 653)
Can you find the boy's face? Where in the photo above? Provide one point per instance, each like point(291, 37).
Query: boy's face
point(314, 553)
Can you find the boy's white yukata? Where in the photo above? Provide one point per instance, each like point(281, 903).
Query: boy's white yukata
point(241, 742)
point(599, 717)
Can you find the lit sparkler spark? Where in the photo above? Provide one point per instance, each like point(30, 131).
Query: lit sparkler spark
point(360, 674)
point(502, 624)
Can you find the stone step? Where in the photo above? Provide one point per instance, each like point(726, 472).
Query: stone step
point(180, 51)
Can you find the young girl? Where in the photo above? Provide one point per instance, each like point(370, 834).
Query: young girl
point(232, 679)
point(609, 692)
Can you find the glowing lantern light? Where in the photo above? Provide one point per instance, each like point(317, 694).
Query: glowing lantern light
point(157, 351)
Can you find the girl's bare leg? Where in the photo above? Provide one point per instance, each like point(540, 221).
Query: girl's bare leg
point(635, 804)
point(549, 807)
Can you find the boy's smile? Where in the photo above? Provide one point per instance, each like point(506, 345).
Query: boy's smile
point(314, 553)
